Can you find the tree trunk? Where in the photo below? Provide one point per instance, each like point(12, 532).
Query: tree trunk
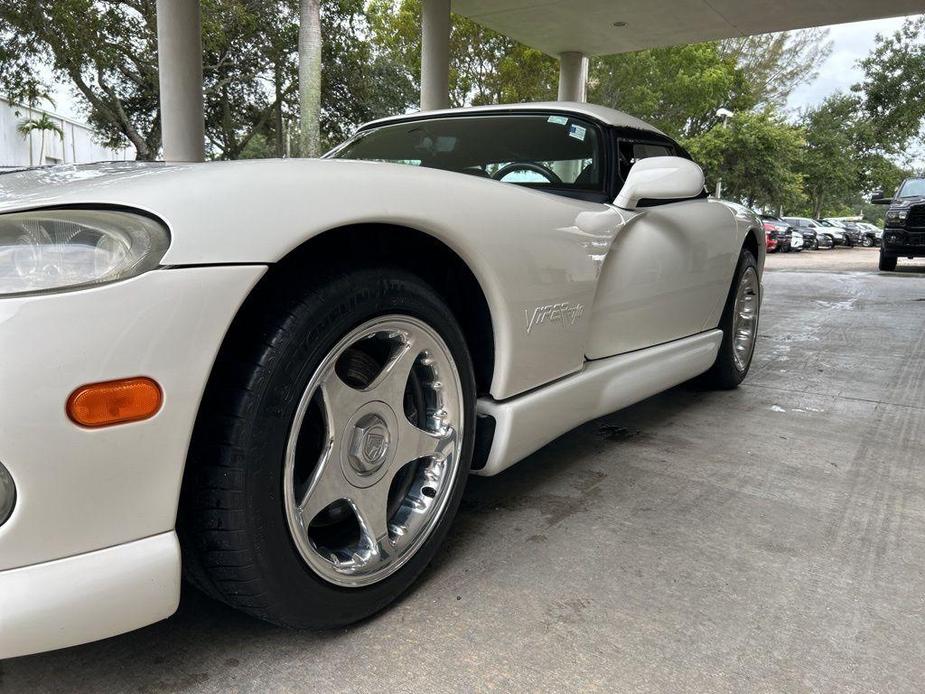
point(42, 150)
point(817, 208)
point(310, 76)
point(280, 137)
point(31, 155)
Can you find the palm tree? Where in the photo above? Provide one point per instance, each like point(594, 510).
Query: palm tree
point(32, 94)
point(310, 76)
point(43, 124)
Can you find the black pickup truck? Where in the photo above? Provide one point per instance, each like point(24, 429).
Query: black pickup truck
point(904, 229)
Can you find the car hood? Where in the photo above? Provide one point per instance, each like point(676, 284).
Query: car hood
point(49, 185)
point(256, 211)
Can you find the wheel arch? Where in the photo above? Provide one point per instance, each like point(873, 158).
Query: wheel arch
point(751, 242)
point(413, 250)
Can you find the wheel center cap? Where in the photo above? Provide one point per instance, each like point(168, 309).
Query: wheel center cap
point(369, 445)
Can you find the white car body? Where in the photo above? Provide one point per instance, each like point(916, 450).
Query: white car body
point(592, 307)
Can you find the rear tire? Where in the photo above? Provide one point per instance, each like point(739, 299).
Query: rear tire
point(740, 316)
point(311, 393)
point(867, 242)
point(887, 262)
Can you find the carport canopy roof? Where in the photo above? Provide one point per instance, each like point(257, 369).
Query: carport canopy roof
point(592, 27)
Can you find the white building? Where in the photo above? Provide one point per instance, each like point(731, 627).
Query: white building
point(77, 146)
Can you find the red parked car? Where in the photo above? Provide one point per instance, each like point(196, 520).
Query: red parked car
point(777, 236)
point(771, 241)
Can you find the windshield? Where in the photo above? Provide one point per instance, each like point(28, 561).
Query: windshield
point(912, 188)
point(554, 151)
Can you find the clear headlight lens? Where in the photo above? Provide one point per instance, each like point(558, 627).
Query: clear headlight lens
point(7, 495)
point(51, 250)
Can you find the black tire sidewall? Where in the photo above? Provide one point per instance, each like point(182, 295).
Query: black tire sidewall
point(724, 374)
point(887, 262)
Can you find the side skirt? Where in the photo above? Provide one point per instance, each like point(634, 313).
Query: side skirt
point(528, 422)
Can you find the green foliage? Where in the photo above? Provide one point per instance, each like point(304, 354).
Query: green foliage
point(106, 50)
point(99, 48)
point(831, 161)
point(891, 91)
point(822, 163)
point(755, 154)
point(42, 123)
point(677, 89)
point(485, 67)
point(772, 65)
point(360, 80)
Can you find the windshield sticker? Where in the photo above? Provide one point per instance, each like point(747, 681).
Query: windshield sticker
point(577, 132)
point(558, 120)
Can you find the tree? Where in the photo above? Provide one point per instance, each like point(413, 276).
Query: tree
point(43, 124)
point(106, 50)
point(360, 81)
point(485, 66)
point(100, 49)
point(773, 65)
point(31, 94)
point(891, 89)
point(677, 89)
point(755, 155)
point(310, 76)
point(831, 160)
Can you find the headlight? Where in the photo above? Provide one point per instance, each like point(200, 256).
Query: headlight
point(51, 250)
point(7, 495)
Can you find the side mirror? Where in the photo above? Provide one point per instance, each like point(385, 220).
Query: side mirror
point(660, 178)
point(877, 198)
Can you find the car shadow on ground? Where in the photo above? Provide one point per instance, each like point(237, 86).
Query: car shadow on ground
point(164, 656)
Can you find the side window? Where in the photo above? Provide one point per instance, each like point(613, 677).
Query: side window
point(553, 151)
point(629, 152)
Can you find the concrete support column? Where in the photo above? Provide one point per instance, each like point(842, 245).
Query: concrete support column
point(179, 58)
point(435, 54)
point(573, 76)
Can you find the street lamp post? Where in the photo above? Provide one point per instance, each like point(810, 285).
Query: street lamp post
point(725, 114)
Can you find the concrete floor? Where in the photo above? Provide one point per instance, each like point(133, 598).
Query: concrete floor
point(766, 539)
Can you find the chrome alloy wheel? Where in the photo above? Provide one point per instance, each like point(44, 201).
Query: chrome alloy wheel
point(374, 450)
point(745, 318)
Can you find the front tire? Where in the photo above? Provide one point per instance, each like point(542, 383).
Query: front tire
point(867, 242)
point(887, 262)
point(739, 325)
point(332, 450)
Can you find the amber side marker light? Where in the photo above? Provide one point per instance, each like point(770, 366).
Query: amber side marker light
point(115, 402)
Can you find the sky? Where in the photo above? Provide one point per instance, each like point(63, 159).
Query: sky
point(850, 42)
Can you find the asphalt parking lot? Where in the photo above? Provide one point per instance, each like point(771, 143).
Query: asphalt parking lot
point(766, 539)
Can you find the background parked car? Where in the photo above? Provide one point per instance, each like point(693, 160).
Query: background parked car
point(780, 231)
point(796, 241)
point(839, 236)
point(824, 236)
point(904, 229)
point(852, 230)
point(871, 234)
point(770, 241)
point(810, 242)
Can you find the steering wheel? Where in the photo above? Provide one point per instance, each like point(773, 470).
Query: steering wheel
point(548, 174)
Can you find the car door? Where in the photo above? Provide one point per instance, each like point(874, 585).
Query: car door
point(668, 271)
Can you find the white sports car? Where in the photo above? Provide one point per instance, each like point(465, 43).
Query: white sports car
point(280, 373)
